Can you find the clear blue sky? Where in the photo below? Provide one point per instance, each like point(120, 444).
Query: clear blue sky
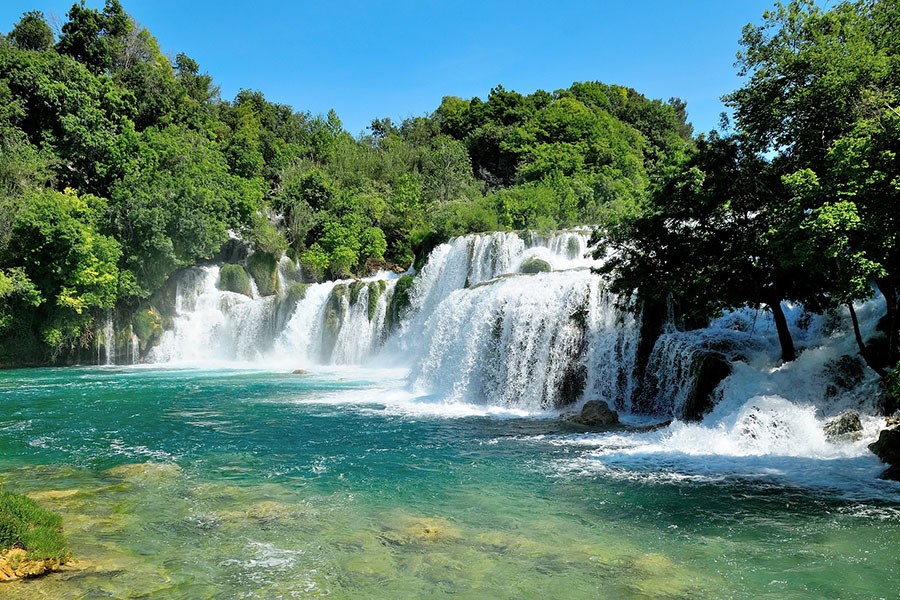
point(390, 58)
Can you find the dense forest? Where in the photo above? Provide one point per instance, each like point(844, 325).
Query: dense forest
point(120, 165)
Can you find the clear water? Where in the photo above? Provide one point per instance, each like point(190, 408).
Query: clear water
point(254, 484)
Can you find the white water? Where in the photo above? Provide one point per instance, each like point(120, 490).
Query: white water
point(478, 338)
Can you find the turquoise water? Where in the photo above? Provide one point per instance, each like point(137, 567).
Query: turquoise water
point(252, 484)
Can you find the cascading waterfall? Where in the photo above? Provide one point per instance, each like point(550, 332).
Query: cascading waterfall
point(477, 331)
point(526, 342)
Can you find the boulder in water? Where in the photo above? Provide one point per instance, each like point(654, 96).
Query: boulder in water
point(887, 446)
point(846, 426)
point(596, 413)
point(299, 372)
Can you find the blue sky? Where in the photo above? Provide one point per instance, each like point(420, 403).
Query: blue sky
point(399, 58)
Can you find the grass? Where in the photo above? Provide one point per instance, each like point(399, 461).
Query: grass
point(24, 524)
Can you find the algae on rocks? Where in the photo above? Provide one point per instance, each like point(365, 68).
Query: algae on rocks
point(535, 265)
point(399, 302)
point(376, 289)
point(263, 268)
point(233, 278)
point(147, 326)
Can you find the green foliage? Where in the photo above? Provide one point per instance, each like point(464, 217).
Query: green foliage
point(32, 32)
point(24, 524)
point(233, 278)
point(535, 265)
point(94, 38)
point(72, 265)
point(170, 172)
point(263, 268)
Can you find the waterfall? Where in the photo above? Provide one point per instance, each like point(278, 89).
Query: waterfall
point(527, 342)
point(472, 329)
point(211, 324)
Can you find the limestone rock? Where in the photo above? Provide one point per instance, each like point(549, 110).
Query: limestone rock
point(596, 413)
point(845, 426)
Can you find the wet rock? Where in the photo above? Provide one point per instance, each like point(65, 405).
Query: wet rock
point(596, 413)
point(263, 268)
point(887, 446)
point(299, 372)
point(846, 426)
point(844, 373)
point(710, 368)
point(892, 473)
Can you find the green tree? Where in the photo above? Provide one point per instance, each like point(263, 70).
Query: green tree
point(32, 32)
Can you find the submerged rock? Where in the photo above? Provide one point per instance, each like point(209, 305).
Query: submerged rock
point(846, 426)
point(596, 413)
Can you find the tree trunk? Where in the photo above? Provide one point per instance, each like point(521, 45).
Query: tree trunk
point(862, 346)
point(788, 353)
point(888, 289)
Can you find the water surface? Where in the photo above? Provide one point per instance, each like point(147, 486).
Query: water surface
point(253, 484)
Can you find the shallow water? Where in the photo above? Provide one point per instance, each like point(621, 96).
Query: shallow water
point(253, 484)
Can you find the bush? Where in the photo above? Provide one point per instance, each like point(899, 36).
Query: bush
point(233, 278)
point(24, 524)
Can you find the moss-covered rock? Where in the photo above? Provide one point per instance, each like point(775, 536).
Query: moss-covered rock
point(399, 301)
point(147, 325)
point(263, 268)
point(287, 304)
point(376, 289)
point(535, 265)
point(355, 288)
point(233, 278)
